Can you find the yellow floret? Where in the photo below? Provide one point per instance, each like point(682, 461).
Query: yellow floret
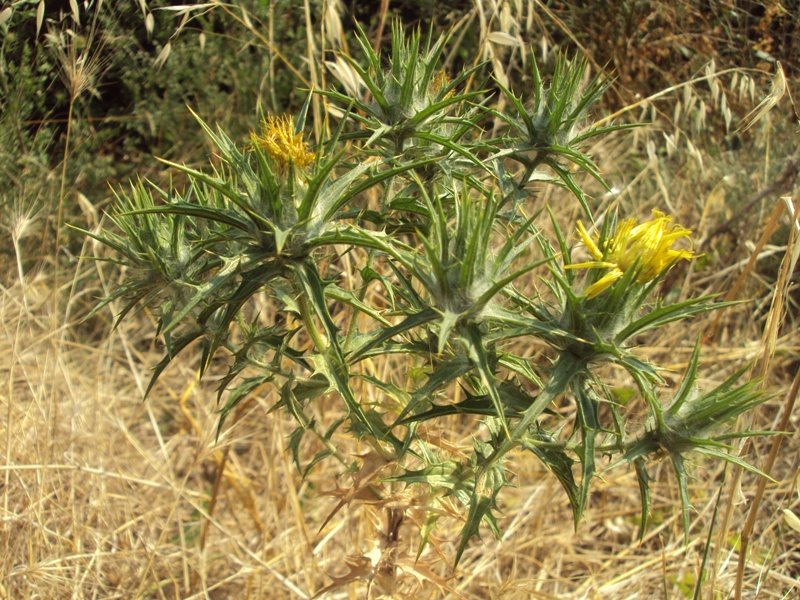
point(647, 247)
point(282, 144)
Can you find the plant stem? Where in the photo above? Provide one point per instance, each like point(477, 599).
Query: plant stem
point(564, 369)
point(322, 346)
point(529, 169)
point(362, 293)
point(309, 425)
point(308, 320)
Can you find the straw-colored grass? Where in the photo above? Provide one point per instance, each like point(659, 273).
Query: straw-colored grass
point(106, 496)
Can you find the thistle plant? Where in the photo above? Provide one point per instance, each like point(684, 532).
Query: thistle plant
point(447, 244)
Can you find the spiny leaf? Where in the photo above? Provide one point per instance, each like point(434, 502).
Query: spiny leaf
point(444, 373)
point(488, 482)
point(294, 445)
point(587, 418)
point(173, 350)
point(569, 181)
point(448, 475)
point(447, 321)
point(239, 393)
point(556, 459)
point(663, 314)
point(347, 297)
point(410, 322)
point(450, 145)
point(480, 358)
point(689, 379)
point(644, 491)
point(514, 399)
point(683, 490)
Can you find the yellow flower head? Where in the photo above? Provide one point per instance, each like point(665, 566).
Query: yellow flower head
point(646, 247)
point(280, 141)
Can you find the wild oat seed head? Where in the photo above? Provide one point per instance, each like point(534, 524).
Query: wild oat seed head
point(282, 144)
point(646, 247)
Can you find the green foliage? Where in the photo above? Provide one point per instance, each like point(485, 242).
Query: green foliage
point(118, 76)
point(447, 239)
point(411, 101)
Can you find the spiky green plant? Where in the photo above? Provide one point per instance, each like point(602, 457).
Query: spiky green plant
point(448, 244)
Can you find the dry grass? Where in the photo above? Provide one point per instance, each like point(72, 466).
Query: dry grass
point(104, 496)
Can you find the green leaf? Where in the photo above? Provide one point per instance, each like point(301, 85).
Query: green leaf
point(515, 401)
point(379, 177)
point(294, 445)
point(498, 286)
point(488, 482)
point(318, 458)
point(587, 418)
point(410, 63)
point(556, 459)
point(331, 362)
point(351, 299)
point(376, 92)
point(517, 103)
point(300, 125)
point(689, 380)
point(174, 348)
point(206, 292)
point(569, 181)
point(436, 107)
point(683, 489)
point(707, 449)
point(474, 405)
point(479, 356)
point(450, 145)
point(239, 393)
point(399, 395)
point(313, 288)
point(520, 366)
point(411, 322)
point(644, 491)
point(661, 315)
point(598, 131)
point(431, 519)
point(314, 199)
point(445, 372)
point(566, 367)
point(311, 388)
point(447, 321)
point(226, 189)
point(446, 475)
point(187, 209)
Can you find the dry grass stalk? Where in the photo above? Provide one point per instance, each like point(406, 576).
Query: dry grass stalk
point(776, 92)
